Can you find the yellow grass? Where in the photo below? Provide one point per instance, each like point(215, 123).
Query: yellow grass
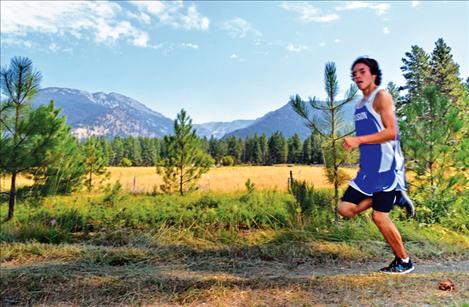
point(226, 179)
point(221, 179)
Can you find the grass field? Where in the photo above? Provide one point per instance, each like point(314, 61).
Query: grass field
point(222, 179)
point(221, 246)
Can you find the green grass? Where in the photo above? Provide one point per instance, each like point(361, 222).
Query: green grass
point(217, 222)
point(97, 250)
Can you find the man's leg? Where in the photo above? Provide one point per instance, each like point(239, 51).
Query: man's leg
point(390, 233)
point(382, 204)
point(347, 209)
point(353, 202)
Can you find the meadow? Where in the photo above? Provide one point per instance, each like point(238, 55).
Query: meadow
point(218, 179)
point(224, 245)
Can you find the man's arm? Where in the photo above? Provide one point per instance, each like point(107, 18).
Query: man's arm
point(384, 106)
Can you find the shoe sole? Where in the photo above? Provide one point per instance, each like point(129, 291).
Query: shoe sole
point(398, 273)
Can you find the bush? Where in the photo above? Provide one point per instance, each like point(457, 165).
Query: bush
point(228, 161)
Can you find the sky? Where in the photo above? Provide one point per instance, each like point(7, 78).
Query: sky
point(222, 60)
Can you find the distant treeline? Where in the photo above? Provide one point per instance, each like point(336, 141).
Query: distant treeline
point(255, 150)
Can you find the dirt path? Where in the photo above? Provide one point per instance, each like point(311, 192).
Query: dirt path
point(228, 281)
point(306, 269)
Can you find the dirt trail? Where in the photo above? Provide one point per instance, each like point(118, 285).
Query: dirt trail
point(299, 269)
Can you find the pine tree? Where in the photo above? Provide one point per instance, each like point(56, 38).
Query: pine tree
point(278, 148)
point(328, 124)
point(317, 156)
point(65, 173)
point(257, 150)
point(263, 142)
point(150, 150)
point(435, 152)
point(186, 161)
point(94, 161)
point(306, 152)
point(417, 71)
point(235, 148)
point(28, 138)
point(117, 155)
point(217, 149)
point(294, 149)
point(445, 74)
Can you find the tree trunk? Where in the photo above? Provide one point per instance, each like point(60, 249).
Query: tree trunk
point(11, 202)
point(181, 177)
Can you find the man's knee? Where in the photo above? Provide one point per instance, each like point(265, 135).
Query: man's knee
point(347, 209)
point(380, 217)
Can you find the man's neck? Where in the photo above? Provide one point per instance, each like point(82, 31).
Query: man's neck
point(367, 91)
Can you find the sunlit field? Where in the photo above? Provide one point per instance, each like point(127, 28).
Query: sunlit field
point(221, 179)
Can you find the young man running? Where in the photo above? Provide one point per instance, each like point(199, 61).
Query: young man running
point(380, 182)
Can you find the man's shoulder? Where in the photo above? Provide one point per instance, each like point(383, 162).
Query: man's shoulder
point(383, 93)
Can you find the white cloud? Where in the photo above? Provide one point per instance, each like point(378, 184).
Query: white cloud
point(81, 19)
point(236, 57)
point(415, 3)
point(386, 30)
point(239, 28)
point(297, 48)
point(380, 8)
point(172, 13)
point(336, 40)
point(142, 17)
point(189, 45)
point(322, 44)
point(308, 13)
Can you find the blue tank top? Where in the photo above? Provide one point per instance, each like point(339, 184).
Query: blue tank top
point(381, 165)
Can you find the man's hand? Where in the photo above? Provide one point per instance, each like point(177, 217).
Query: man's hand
point(351, 142)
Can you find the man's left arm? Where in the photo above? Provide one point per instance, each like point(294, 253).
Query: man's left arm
point(384, 106)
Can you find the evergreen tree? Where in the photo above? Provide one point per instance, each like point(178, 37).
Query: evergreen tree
point(263, 142)
point(328, 123)
point(278, 148)
point(65, 173)
point(28, 138)
point(307, 151)
point(445, 74)
point(134, 151)
point(257, 150)
point(316, 149)
point(235, 147)
point(107, 150)
point(435, 153)
point(417, 71)
point(94, 161)
point(294, 149)
point(186, 161)
point(117, 146)
point(217, 149)
point(150, 150)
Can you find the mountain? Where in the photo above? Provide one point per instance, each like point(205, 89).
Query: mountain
point(104, 114)
point(219, 129)
point(284, 120)
point(114, 114)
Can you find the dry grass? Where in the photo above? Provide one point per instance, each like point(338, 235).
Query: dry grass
point(102, 276)
point(221, 179)
point(226, 179)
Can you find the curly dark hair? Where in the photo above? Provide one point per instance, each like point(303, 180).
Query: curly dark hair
point(372, 64)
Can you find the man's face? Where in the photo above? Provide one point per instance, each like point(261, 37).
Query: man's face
point(362, 76)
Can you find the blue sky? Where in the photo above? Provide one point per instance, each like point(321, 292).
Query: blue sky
point(223, 60)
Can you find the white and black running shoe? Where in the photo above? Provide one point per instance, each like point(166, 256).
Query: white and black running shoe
point(398, 266)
